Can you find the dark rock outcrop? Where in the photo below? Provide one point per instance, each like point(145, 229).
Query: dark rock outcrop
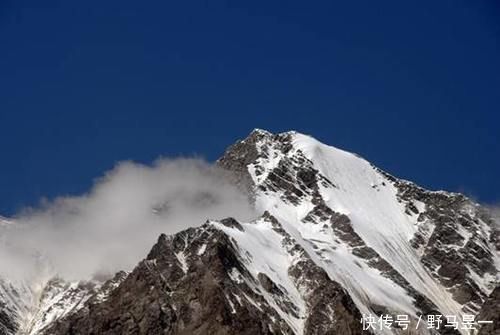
point(195, 282)
point(490, 312)
point(210, 280)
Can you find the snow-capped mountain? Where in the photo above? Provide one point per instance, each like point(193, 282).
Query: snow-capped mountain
point(336, 238)
point(28, 307)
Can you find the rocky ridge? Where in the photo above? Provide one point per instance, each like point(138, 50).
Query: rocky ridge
point(337, 238)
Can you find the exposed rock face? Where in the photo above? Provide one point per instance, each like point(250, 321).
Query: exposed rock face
point(491, 312)
point(31, 308)
point(453, 243)
point(337, 239)
point(7, 324)
point(11, 306)
point(440, 248)
point(201, 281)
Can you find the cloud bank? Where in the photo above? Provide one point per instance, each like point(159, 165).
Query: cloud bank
point(114, 225)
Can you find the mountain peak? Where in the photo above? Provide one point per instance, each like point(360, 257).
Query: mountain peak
point(259, 131)
point(390, 225)
point(334, 238)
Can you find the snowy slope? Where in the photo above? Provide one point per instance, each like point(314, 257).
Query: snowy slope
point(225, 277)
point(36, 305)
point(371, 249)
point(31, 303)
point(270, 256)
point(33, 306)
point(376, 216)
point(335, 237)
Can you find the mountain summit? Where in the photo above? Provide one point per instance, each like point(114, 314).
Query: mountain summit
point(336, 239)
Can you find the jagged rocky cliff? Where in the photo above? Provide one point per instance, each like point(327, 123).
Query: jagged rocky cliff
point(336, 238)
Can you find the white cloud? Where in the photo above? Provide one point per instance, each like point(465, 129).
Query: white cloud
point(117, 222)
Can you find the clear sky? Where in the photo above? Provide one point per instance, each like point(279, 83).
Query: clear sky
point(413, 86)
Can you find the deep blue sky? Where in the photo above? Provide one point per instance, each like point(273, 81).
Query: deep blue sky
point(413, 86)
